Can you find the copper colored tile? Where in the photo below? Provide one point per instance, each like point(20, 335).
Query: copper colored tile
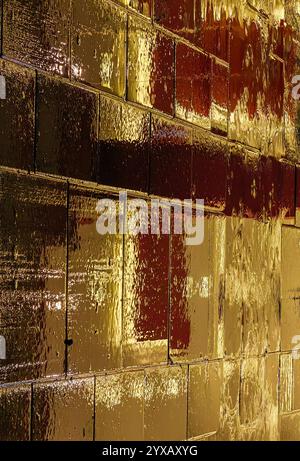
point(17, 116)
point(119, 406)
point(182, 17)
point(67, 119)
point(98, 45)
point(94, 288)
point(15, 403)
point(209, 169)
point(145, 311)
point(124, 145)
point(150, 66)
point(165, 403)
point(204, 398)
point(37, 33)
point(63, 411)
point(220, 93)
point(193, 85)
point(190, 292)
point(214, 30)
point(32, 276)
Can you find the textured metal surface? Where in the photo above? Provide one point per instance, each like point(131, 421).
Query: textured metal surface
point(63, 410)
point(179, 99)
point(94, 288)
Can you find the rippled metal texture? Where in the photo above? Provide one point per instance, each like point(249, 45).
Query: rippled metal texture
point(98, 45)
point(25, 40)
point(67, 123)
point(17, 116)
point(95, 265)
point(63, 410)
point(124, 135)
point(141, 337)
point(33, 259)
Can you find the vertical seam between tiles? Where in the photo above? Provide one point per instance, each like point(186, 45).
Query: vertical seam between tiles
point(66, 364)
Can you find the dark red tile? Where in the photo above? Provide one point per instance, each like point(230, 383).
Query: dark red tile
point(244, 197)
point(37, 33)
point(145, 312)
point(123, 145)
point(193, 85)
point(182, 17)
point(209, 170)
point(220, 97)
point(17, 117)
point(67, 119)
point(170, 159)
point(214, 30)
point(150, 67)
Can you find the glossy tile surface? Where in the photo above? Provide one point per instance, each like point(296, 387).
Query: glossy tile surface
point(94, 288)
point(98, 45)
point(15, 410)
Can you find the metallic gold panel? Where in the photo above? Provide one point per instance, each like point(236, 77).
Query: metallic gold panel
point(259, 398)
point(204, 398)
point(17, 116)
point(15, 407)
point(290, 427)
point(229, 415)
point(94, 288)
point(124, 137)
point(63, 410)
point(286, 383)
point(145, 311)
point(165, 403)
point(251, 306)
point(195, 323)
point(290, 270)
point(193, 85)
point(119, 406)
point(67, 123)
point(37, 33)
point(32, 276)
point(150, 66)
point(142, 6)
point(98, 45)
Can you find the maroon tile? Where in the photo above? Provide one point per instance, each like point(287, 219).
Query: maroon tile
point(220, 97)
point(214, 30)
point(67, 119)
point(150, 66)
point(209, 171)
point(123, 145)
point(17, 116)
point(145, 312)
point(182, 17)
point(193, 85)
point(244, 197)
point(37, 33)
point(170, 159)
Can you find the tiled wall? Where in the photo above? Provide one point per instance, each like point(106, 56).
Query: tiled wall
point(142, 337)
